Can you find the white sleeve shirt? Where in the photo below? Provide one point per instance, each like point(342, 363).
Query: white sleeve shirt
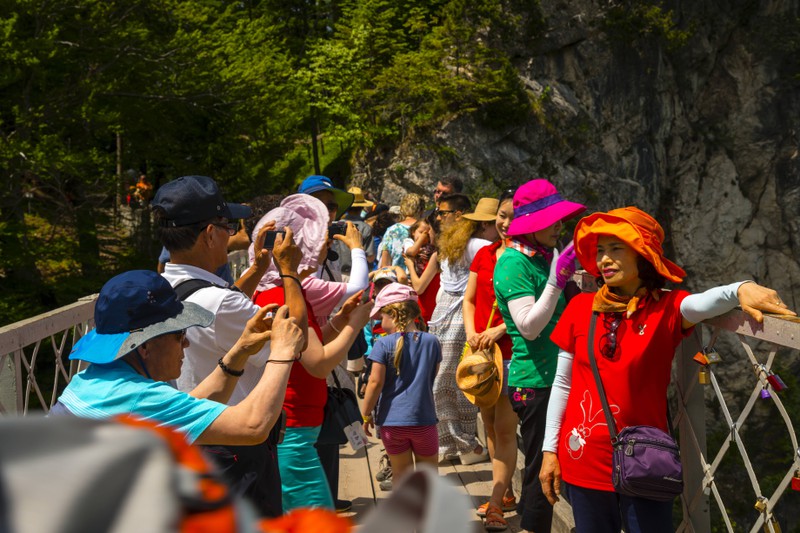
point(232, 310)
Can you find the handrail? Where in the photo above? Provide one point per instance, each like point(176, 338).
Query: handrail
point(20, 379)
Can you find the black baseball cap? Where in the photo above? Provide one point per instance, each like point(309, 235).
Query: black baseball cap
point(192, 199)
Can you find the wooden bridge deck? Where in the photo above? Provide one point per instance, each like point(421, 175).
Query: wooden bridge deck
point(357, 482)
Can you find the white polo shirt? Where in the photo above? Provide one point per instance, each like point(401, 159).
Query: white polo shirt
point(232, 310)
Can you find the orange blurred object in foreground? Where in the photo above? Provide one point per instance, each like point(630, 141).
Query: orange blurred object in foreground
point(302, 520)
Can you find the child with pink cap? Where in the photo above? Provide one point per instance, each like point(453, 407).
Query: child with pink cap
point(529, 279)
point(404, 366)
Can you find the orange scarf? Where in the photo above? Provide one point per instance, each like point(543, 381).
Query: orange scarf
point(606, 301)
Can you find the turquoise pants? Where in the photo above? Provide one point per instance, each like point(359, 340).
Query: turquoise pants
point(302, 478)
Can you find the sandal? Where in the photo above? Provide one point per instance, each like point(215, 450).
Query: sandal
point(494, 520)
point(509, 504)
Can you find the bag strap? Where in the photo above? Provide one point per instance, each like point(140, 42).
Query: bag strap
point(612, 426)
point(335, 379)
point(186, 288)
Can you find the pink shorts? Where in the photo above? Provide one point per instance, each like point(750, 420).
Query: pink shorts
point(422, 440)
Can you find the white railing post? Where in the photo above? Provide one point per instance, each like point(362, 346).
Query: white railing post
point(692, 434)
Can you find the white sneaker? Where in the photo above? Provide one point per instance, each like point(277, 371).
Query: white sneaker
point(470, 458)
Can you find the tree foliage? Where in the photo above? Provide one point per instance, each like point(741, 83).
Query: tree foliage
point(239, 91)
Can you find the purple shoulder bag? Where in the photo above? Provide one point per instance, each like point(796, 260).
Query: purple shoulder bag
point(646, 461)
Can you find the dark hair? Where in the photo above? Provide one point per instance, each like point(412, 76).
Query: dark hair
point(382, 223)
point(457, 202)
point(651, 279)
point(176, 238)
point(415, 226)
point(261, 205)
point(452, 181)
point(508, 194)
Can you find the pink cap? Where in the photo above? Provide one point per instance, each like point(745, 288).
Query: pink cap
point(391, 294)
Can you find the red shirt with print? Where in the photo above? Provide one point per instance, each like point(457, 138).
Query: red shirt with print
point(306, 395)
point(483, 265)
point(635, 380)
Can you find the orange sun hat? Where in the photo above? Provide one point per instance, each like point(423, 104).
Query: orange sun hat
point(633, 226)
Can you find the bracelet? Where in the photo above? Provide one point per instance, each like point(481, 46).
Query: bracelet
point(286, 361)
point(366, 418)
point(227, 370)
point(290, 277)
point(334, 327)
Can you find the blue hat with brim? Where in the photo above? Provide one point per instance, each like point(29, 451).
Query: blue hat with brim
point(133, 308)
point(315, 183)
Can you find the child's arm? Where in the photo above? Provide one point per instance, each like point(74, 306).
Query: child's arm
point(377, 376)
point(420, 283)
point(413, 250)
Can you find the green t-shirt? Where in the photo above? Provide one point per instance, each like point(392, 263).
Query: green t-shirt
point(533, 363)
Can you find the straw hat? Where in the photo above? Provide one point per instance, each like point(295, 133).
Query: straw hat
point(633, 226)
point(359, 201)
point(480, 375)
point(485, 211)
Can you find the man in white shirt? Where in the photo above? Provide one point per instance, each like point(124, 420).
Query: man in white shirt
point(193, 223)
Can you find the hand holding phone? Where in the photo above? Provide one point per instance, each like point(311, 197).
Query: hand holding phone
point(269, 238)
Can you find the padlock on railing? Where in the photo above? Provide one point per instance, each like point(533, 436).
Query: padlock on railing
point(761, 504)
point(772, 525)
point(703, 376)
point(796, 481)
point(776, 382)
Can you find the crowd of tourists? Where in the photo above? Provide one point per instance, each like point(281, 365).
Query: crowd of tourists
point(432, 311)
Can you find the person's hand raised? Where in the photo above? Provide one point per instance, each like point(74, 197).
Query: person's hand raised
point(262, 255)
point(287, 337)
point(257, 331)
point(351, 238)
point(287, 254)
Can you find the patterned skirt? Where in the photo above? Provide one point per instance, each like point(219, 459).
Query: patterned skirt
point(457, 416)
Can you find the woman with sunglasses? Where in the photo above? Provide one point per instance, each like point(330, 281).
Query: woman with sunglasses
point(638, 328)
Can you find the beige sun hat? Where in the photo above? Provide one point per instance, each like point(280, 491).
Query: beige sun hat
point(479, 375)
point(485, 211)
point(359, 201)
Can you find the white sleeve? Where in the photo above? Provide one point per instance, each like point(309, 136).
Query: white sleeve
point(558, 402)
point(359, 274)
point(530, 315)
point(698, 307)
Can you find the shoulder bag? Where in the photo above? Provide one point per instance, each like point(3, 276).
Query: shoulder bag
point(341, 410)
point(646, 461)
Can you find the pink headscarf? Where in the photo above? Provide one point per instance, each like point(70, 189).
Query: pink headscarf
point(308, 219)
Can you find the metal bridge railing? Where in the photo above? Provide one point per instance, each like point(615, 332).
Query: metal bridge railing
point(24, 375)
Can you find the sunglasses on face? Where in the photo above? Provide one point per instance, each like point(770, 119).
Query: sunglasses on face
point(608, 341)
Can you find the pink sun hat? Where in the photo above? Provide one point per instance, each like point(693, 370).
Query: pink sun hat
point(538, 205)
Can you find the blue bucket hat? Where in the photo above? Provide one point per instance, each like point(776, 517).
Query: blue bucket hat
point(314, 184)
point(133, 308)
point(192, 199)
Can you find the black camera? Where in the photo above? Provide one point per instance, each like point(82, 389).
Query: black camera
point(269, 238)
point(337, 228)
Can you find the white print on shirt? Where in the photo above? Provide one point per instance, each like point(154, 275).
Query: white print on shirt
point(576, 439)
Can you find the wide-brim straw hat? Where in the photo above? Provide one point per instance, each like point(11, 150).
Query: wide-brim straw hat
point(485, 211)
point(359, 200)
point(538, 205)
point(633, 226)
point(479, 375)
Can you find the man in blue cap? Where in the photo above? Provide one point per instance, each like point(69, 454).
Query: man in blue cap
point(138, 346)
point(193, 223)
point(336, 200)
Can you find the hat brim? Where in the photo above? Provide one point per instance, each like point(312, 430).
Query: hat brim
point(365, 203)
point(479, 217)
point(237, 211)
point(103, 348)
point(343, 199)
point(488, 396)
point(544, 218)
point(589, 228)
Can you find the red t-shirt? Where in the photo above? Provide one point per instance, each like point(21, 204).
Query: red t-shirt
point(306, 395)
point(635, 381)
point(483, 265)
point(427, 299)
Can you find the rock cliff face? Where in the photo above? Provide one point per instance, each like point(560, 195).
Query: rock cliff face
point(703, 135)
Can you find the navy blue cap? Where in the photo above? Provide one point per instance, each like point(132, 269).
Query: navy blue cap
point(131, 309)
point(192, 199)
point(314, 184)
